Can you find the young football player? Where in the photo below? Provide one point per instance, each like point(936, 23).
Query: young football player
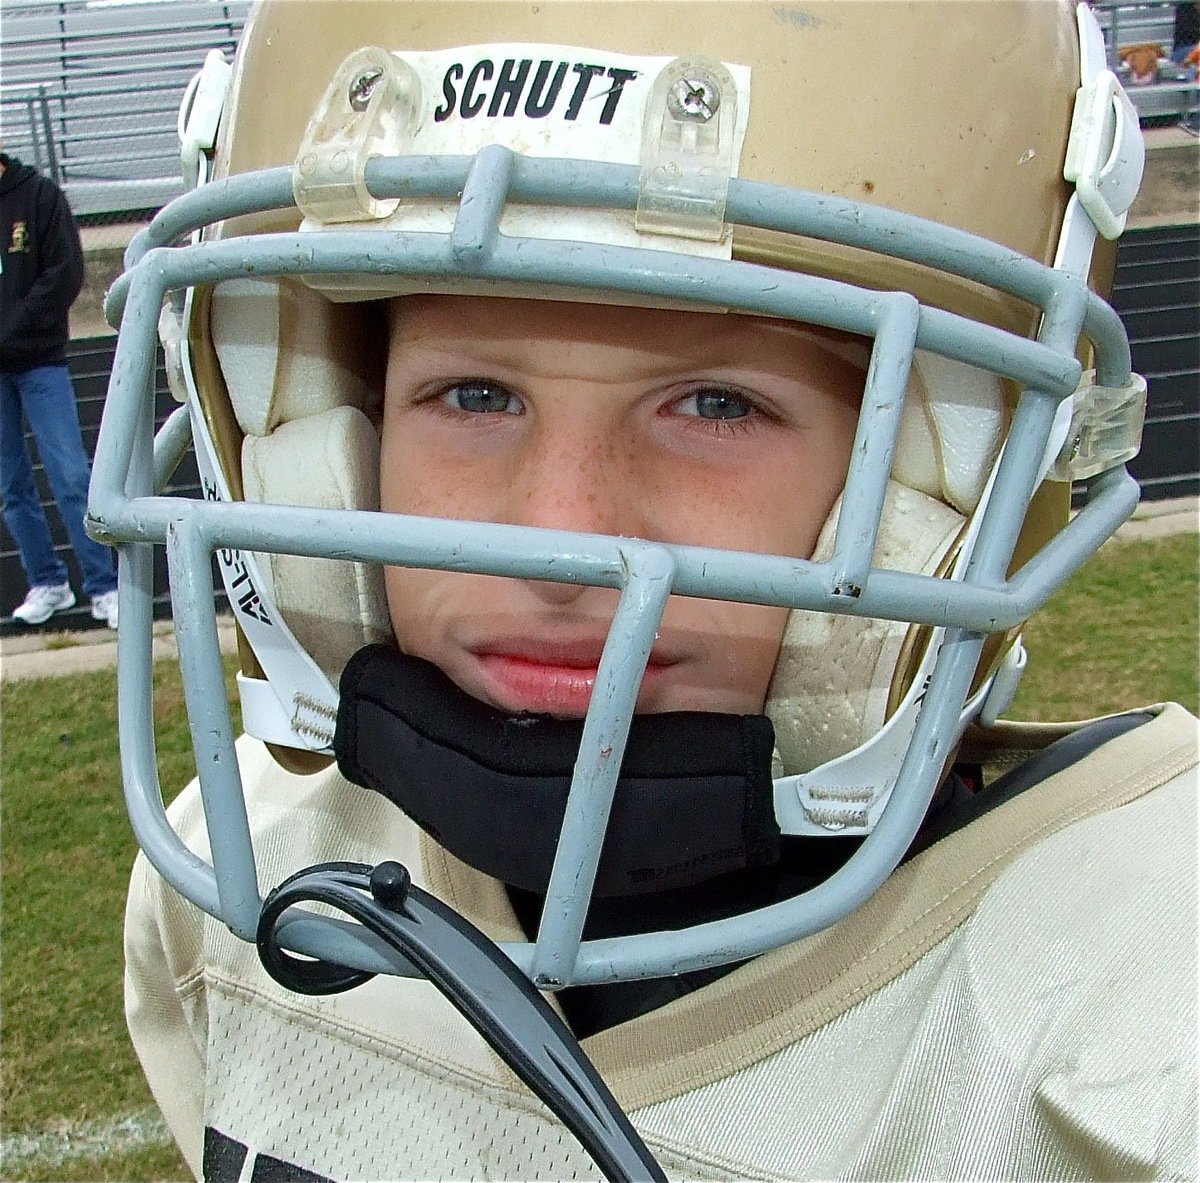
point(633, 437)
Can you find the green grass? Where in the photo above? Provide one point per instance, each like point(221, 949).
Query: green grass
point(65, 1159)
point(1122, 633)
point(68, 848)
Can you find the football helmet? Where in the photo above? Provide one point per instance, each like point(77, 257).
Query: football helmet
point(934, 187)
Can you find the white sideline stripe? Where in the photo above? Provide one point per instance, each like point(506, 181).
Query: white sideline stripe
point(85, 1138)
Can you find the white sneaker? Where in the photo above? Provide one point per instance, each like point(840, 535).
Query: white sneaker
point(105, 608)
point(43, 601)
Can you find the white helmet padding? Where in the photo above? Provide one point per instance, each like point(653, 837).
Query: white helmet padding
point(833, 677)
point(299, 374)
point(286, 355)
point(950, 430)
point(293, 363)
point(329, 460)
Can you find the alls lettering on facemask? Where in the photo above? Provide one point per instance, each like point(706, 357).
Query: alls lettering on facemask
point(694, 799)
point(550, 90)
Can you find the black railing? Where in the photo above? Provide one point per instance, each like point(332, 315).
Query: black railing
point(1157, 292)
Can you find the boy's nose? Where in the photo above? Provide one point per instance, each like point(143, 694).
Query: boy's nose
point(576, 482)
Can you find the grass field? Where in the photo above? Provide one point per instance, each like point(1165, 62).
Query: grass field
point(75, 1107)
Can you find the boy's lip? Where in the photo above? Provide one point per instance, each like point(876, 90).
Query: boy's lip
point(548, 677)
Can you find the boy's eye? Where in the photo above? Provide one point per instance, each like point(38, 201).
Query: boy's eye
point(715, 403)
point(480, 397)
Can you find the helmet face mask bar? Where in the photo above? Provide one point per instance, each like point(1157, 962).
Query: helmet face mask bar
point(974, 598)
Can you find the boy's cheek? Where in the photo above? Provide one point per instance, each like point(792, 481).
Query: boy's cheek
point(413, 594)
point(409, 484)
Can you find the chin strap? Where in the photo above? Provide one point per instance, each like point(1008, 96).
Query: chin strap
point(478, 980)
point(693, 799)
point(846, 796)
point(200, 115)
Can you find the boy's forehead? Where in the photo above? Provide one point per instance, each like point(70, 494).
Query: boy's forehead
point(505, 323)
point(503, 315)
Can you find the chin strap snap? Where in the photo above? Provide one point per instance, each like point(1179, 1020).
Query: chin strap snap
point(1106, 154)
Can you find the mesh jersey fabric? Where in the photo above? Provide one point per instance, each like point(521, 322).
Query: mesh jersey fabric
point(1017, 1001)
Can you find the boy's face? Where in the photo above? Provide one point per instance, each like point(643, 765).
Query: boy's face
point(712, 430)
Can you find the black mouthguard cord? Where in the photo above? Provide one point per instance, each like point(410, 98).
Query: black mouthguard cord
point(478, 979)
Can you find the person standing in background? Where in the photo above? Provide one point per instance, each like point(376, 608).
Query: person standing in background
point(1185, 51)
point(1186, 31)
point(42, 262)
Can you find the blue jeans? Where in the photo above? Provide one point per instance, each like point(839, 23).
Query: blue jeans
point(44, 397)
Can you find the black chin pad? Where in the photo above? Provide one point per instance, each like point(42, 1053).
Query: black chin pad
point(694, 799)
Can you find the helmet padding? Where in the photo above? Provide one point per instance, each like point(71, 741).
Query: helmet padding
point(286, 354)
point(304, 381)
point(329, 460)
point(833, 677)
point(950, 430)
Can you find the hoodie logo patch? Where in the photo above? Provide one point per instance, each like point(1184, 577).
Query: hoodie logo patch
point(20, 239)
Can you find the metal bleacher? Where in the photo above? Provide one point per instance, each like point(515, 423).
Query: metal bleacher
point(91, 89)
point(1173, 94)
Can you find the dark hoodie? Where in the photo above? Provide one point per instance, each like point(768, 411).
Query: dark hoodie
point(43, 268)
